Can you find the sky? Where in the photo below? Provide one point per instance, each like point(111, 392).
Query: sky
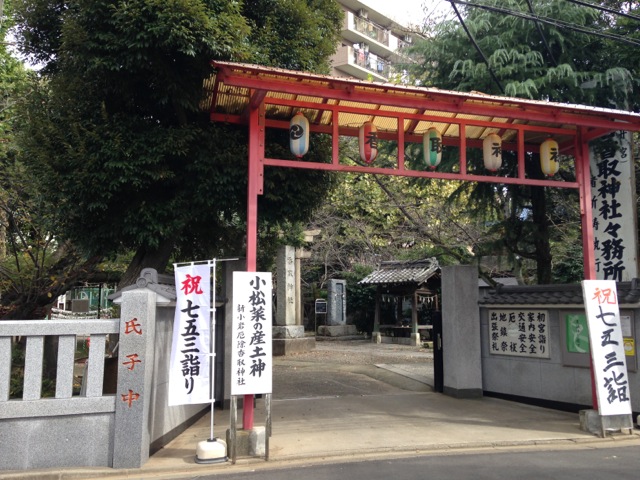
point(409, 11)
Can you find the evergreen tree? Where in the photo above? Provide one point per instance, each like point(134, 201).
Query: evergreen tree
point(118, 135)
point(539, 49)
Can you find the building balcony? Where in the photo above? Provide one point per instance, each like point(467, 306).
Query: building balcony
point(360, 30)
point(371, 31)
point(361, 64)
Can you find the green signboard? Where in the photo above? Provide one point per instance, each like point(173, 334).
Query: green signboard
point(577, 333)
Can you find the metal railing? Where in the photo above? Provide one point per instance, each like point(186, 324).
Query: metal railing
point(371, 62)
point(371, 30)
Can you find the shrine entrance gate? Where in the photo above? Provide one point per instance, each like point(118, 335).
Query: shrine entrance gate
point(264, 98)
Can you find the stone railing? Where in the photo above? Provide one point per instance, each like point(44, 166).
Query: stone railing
point(89, 427)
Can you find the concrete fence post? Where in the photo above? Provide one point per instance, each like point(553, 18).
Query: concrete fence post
point(135, 375)
point(461, 332)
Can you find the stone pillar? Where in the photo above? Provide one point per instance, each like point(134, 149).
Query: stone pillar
point(337, 312)
point(415, 336)
point(461, 332)
point(376, 337)
point(297, 287)
point(135, 375)
point(288, 335)
point(300, 254)
point(286, 288)
point(337, 302)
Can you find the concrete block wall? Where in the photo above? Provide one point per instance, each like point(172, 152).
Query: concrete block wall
point(167, 422)
point(547, 379)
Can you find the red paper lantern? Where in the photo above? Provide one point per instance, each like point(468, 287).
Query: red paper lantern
point(368, 142)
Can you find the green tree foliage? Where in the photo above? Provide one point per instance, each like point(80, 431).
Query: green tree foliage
point(529, 59)
point(28, 251)
point(118, 135)
point(561, 57)
point(367, 219)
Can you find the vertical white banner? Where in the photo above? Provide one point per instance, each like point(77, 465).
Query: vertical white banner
point(613, 201)
point(189, 381)
point(607, 347)
point(251, 341)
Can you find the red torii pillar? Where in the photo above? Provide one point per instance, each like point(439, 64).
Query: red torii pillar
point(583, 177)
point(255, 177)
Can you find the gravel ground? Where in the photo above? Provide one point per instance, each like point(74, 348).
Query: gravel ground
point(362, 352)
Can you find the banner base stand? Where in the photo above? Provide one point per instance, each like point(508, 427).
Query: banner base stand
point(601, 425)
point(211, 451)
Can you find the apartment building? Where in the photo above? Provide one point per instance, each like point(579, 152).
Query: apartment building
point(372, 44)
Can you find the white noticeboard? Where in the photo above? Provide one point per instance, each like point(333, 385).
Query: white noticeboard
point(614, 207)
point(523, 333)
point(251, 340)
point(189, 371)
point(607, 347)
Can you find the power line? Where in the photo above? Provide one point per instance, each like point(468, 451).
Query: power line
point(605, 9)
point(544, 39)
point(475, 44)
point(555, 23)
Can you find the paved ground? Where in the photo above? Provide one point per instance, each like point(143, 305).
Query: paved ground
point(353, 401)
point(354, 367)
point(364, 352)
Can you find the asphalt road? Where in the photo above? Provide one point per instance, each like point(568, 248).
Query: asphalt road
point(584, 464)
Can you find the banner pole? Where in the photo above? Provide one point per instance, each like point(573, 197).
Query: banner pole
point(212, 450)
point(212, 346)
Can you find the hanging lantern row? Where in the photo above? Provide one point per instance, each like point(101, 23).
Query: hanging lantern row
point(492, 154)
point(432, 146)
point(549, 161)
point(299, 138)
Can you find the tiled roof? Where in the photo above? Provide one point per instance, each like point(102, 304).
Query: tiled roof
point(230, 93)
point(163, 285)
point(156, 282)
point(628, 293)
point(396, 273)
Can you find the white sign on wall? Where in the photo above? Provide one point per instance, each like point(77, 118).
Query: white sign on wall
point(523, 333)
point(189, 370)
point(251, 341)
point(607, 347)
point(614, 207)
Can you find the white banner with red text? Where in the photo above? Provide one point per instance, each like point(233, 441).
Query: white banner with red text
point(607, 347)
point(190, 372)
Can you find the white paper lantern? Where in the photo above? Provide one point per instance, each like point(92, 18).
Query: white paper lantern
point(492, 152)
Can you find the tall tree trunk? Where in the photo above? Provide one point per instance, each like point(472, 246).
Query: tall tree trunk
point(147, 257)
point(541, 238)
point(3, 234)
point(33, 302)
point(540, 219)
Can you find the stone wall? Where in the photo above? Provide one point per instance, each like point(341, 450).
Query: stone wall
point(563, 378)
point(94, 428)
